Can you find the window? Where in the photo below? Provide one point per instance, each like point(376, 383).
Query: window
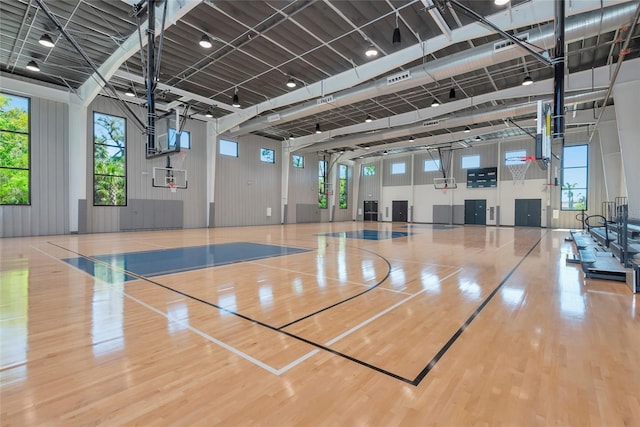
point(297, 161)
point(431, 165)
point(513, 157)
point(14, 150)
point(228, 148)
point(109, 160)
point(267, 155)
point(468, 162)
point(369, 170)
point(398, 168)
point(322, 180)
point(343, 186)
point(574, 177)
point(185, 139)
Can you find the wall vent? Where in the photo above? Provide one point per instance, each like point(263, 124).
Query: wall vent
point(326, 100)
point(506, 44)
point(431, 123)
point(273, 118)
point(405, 75)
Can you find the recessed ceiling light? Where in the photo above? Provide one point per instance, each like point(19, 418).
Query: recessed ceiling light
point(45, 40)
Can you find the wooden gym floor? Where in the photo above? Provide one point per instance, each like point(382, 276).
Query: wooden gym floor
point(427, 325)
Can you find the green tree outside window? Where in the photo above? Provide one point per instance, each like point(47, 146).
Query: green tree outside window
point(14, 150)
point(109, 160)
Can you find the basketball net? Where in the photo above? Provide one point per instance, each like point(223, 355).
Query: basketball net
point(173, 187)
point(518, 168)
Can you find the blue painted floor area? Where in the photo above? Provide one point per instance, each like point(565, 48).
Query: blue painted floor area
point(176, 260)
point(432, 226)
point(368, 234)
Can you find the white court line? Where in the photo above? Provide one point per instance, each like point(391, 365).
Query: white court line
point(330, 278)
point(195, 330)
point(382, 313)
point(422, 262)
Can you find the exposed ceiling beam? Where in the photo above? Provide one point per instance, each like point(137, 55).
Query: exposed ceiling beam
point(443, 68)
point(176, 9)
point(412, 122)
point(437, 18)
point(523, 15)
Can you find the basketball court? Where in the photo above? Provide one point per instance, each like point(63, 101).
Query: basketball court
point(313, 324)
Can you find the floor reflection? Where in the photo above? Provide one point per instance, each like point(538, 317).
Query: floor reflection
point(14, 301)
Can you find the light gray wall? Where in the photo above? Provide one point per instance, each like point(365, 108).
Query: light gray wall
point(49, 210)
point(302, 200)
point(140, 174)
point(370, 189)
point(420, 177)
point(389, 180)
point(344, 214)
point(245, 187)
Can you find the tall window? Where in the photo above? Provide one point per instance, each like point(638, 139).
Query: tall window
point(322, 181)
point(369, 170)
point(574, 177)
point(109, 160)
point(14, 150)
point(343, 186)
point(297, 161)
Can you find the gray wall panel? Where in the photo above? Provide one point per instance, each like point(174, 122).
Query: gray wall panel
point(442, 214)
point(458, 214)
point(307, 213)
point(246, 187)
point(303, 187)
point(389, 179)
point(140, 174)
point(369, 189)
point(48, 213)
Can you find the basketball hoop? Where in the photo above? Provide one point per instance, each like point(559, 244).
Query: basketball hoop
point(173, 187)
point(518, 167)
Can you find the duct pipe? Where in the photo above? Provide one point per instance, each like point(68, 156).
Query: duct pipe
point(558, 77)
point(623, 52)
point(151, 102)
point(480, 116)
point(577, 28)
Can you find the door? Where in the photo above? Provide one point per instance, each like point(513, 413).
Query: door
point(399, 210)
point(528, 213)
point(371, 210)
point(475, 212)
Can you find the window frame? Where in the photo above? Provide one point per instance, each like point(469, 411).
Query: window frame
point(173, 146)
point(435, 162)
point(126, 159)
point(235, 143)
point(369, 167)
point(293, 162)
point(322, 185)
point(462, 158)
point(562, 186)
point(404, 168)
point(343, 190)
point(273, 154)
point(28, 133)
